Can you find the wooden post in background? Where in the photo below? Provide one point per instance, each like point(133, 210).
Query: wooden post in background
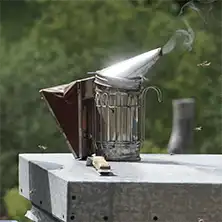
point(183, 126)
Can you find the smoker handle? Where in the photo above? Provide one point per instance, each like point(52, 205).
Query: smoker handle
point(143, 104)
point(183, 126)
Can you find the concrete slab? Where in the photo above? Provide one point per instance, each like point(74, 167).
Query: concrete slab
point(161, 187)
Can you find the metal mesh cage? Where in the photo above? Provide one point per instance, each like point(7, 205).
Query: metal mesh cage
point(119, 127)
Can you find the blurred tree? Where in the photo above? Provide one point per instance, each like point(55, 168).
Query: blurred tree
point(18, 17)
point(16, 205)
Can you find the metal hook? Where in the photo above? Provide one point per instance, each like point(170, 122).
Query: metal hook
point(104, 99)
point(158, 91)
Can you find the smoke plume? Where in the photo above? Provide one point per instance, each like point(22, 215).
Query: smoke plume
point(180, 38)
point(184, 38)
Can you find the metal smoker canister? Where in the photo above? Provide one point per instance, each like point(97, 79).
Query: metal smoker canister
point(119, 124)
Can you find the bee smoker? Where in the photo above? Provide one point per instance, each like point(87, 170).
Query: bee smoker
point(104, 114)
point(99, 119)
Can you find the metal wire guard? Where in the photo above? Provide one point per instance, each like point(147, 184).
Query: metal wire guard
point(121, 121)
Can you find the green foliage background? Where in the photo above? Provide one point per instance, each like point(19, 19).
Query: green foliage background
point(45, 43)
